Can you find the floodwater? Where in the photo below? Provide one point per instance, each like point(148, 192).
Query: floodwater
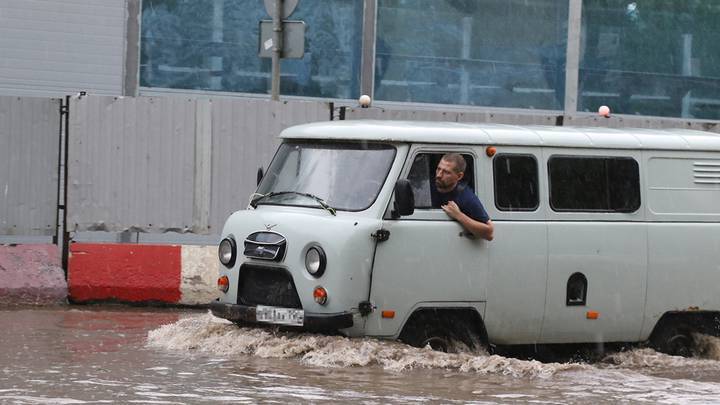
point(92, 355)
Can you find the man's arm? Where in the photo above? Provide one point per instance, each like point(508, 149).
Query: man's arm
point(477, 228)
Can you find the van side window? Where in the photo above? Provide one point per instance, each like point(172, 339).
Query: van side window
point(516, 182)
point(588, 183)
point(422, 176)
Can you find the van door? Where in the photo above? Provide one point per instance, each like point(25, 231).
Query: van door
point(518, 255)
point(597, 247)
point(428, 259)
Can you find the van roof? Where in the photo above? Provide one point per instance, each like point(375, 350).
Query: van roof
point(499, 134)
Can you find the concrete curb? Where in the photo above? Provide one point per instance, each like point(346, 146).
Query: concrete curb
point(134, 273)
point(31, 275)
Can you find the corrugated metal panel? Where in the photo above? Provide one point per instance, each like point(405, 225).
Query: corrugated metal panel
point(131, 164)
point(629, 121)
point(159, 164)
point(438, 114)
point(29, 141)
point(524, 117)
point(53, 48)
point(244, 138)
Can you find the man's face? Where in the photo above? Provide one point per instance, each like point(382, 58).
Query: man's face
point(446, 178)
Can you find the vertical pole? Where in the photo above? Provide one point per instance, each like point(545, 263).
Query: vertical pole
point(216, 62)
point(367, 71)
point(687, 40)
point(132, 49)
point(64, 225)
point(59, 201)
point(572, 58)
point(277, 49)
point(467, 23)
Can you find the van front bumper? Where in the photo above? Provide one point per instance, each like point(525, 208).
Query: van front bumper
point(312, 321)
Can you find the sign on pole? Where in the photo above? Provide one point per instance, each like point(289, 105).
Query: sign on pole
point(293, 39)
point(288, 6)
point(278, 10)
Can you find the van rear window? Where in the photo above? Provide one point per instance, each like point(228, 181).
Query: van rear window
point(589, 183)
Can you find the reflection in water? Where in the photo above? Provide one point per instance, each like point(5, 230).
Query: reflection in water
point(131, 355)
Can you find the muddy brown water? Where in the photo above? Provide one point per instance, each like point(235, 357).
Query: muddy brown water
point(93, 355)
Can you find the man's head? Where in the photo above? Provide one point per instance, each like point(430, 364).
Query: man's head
point(449, 172)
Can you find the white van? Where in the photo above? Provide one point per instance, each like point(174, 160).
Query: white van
point(601, 235)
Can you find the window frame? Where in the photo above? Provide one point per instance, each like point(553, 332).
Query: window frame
point(436, 214)
point(537, 182)
point(636, 210)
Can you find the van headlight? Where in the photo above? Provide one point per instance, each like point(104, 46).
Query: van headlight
point(227, 252)
point(315, 261)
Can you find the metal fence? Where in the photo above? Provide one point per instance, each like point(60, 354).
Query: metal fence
point(170, 164)
point(180, 164)
point(29, 159)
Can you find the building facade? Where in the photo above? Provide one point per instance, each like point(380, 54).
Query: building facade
point(644, 57)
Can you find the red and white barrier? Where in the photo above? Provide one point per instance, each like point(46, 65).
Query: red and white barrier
point(142, 273)
point(31, 275)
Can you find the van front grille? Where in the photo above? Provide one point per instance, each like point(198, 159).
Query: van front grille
point(267, 286)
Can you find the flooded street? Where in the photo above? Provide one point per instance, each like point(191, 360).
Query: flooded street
point(83, 355)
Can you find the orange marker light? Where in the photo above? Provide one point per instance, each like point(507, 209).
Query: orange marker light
point(388, 314)
point(592, 315)
point(223, 284)
point(490, 151)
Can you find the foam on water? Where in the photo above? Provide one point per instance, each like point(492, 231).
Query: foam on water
point(706, 350)
point(209, 334)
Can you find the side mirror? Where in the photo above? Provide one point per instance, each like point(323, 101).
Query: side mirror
point(404, 199)
point(260, 175)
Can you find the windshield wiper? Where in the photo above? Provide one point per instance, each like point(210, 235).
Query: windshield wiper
point(257, 197)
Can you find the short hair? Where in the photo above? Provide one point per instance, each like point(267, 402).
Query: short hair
point(457, 159)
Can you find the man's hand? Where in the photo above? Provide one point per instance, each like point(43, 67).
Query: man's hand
point(477, 228)
point(452, 210)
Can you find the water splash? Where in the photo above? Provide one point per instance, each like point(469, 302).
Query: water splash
point(706, 347)
point(706, 351)
point(207, 333)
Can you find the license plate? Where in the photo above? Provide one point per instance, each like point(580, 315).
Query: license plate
point(282, 316)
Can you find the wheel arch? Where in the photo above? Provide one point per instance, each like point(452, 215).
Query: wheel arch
point(463, 321)
point(683, 323)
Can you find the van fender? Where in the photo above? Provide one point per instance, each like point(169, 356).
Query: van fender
point(445, 327)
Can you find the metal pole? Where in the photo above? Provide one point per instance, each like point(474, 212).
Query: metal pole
point(572, 58)
point(367, 71)
point(277, 49)
point(65, 234)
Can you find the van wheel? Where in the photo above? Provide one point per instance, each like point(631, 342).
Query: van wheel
point(444, 330)
point(439, 343)
point(423, 335)
point(673, 339)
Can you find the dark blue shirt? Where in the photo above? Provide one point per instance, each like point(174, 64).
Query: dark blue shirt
point(465, 199)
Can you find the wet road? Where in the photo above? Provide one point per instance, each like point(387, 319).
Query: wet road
point(89, 355)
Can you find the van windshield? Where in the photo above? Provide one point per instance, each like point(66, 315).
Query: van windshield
point(345, 176)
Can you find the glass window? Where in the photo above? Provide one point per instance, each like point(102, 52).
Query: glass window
point(516, 182)
point(344, 176)
point(475, 52)
point(654, 57)
point(584, 183)
point(422, 176)
point(213, 45)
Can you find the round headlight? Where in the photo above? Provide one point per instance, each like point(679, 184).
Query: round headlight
point(315, 261)
point(226, 252)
